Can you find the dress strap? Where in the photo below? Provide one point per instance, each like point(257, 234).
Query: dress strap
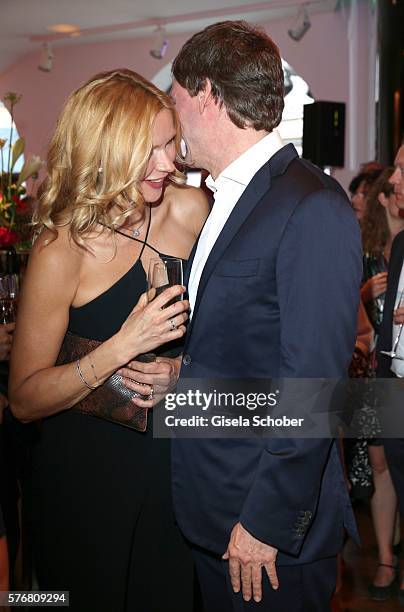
point(143, 242)
point(147, 233)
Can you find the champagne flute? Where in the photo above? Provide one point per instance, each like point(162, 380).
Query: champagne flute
point(8, 297)
point(164, 272)
point(393, 353)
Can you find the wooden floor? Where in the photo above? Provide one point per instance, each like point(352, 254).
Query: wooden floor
point(360, 566)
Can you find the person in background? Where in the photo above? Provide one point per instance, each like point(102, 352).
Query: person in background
point(104, 526)
point(380, 225)
point(6, 338)
point(393, 317)
point(360, 185)
point(4, 564)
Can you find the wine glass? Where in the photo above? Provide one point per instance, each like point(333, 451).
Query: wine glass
point(393, 353)
point(8, 297)
point(164, 272)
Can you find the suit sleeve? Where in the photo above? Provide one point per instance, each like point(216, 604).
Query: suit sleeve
point(319, 272)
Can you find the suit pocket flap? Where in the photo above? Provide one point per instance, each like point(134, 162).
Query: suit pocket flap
point(244, 267)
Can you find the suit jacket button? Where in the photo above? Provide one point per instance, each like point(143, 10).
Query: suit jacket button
point(186, 360)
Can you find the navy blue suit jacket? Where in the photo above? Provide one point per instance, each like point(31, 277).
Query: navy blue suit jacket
point(278, 297)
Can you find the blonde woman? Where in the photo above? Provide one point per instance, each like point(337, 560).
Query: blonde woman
point(104, 527)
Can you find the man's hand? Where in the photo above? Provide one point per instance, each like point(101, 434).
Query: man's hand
point(247, 556)
point(156, 378)
point(399, 315)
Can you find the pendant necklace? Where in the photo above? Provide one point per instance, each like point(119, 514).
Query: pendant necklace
point(136, 230)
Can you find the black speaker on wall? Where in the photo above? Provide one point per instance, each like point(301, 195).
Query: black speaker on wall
point(324, 133)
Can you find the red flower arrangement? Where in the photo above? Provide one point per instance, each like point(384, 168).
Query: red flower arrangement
point(15, 203)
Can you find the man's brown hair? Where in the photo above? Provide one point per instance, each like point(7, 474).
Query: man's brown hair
point(244, 68)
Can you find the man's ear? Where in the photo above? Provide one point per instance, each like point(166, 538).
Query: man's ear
point(205, 97)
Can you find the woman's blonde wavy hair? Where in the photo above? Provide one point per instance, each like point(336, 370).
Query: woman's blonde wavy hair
point(99, 153)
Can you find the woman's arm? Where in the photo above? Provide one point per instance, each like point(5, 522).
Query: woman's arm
point(38, 388)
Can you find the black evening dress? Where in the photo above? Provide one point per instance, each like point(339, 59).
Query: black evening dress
point(104, 527)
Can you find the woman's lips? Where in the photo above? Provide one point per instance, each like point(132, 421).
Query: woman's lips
point(156, 184)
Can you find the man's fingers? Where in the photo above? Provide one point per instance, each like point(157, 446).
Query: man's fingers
point(256, 575)
point(234, 571)
point(138, 401)
point(246, 577)
point(272, 575)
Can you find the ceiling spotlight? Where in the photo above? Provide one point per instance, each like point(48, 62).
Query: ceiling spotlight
point(63, 28)
point(302, 24)
point(46, 62)
point(161, 43)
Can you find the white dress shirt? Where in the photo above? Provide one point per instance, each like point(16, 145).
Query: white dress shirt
point(397, 365)
point(227, 189)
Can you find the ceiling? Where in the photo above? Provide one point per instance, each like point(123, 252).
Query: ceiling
point(23, 23)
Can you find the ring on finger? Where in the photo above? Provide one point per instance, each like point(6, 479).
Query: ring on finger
point(151, 394)
point(173, 325)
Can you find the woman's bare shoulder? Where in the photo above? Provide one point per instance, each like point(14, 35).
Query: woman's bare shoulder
point(57, 254)
point(189, 205)
point(183, 194)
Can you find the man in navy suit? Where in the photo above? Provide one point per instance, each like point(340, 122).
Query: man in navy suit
point(274, 289)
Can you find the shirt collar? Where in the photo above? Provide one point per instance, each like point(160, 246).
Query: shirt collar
point(242, 169)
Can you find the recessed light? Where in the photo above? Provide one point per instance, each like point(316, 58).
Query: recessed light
point(64, 28)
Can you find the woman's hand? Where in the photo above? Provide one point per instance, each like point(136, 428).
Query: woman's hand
point(152, 324)
point(6, 339)
point(374, 287)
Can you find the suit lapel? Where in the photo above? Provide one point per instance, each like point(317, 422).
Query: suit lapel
point(253, 193)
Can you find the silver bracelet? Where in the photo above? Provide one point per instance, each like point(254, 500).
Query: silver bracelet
point(80, 373)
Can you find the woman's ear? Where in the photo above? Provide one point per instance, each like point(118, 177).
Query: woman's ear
point(382, 199)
